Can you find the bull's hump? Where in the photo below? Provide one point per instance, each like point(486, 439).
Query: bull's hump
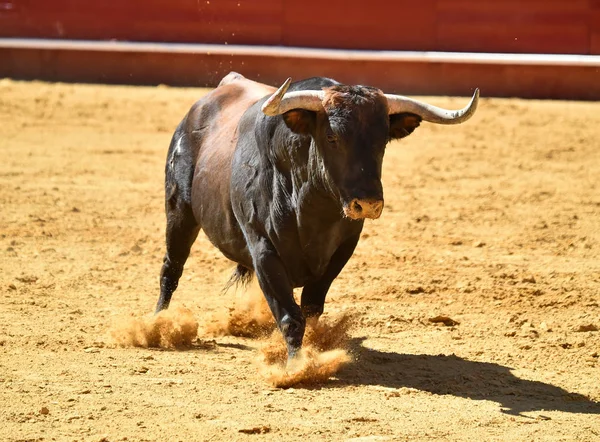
point(230, 78)
point(236, 89)
point(218, 113)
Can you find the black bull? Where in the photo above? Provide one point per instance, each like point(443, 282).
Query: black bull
point(281, 182)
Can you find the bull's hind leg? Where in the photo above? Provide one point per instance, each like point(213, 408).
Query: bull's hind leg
point(182, 231)
point(182, 228)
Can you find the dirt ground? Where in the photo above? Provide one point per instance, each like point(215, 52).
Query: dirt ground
point(493, 224)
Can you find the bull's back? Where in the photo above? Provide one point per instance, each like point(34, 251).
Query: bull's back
point(212, 124)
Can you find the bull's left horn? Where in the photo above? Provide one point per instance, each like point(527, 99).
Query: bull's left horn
point(398, 104)
point(281, 102)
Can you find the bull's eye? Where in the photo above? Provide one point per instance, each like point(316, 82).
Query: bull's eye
point(331, 138)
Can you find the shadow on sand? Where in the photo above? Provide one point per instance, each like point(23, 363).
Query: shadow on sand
point(459, 377)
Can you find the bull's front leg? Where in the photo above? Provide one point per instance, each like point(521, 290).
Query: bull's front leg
point(313, 294)
point(274, 282)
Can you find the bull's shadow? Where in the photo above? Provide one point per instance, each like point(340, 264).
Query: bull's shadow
point(459, 377)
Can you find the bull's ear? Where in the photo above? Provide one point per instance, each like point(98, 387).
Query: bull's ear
point(402, 125)
point(299, 120)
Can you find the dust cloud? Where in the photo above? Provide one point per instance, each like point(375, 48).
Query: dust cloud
point(173, 328)
point(323, 353)
point(250, 317)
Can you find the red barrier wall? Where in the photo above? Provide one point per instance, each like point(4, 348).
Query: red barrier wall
point(519, 26)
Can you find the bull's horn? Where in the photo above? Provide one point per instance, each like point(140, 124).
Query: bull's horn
point(280, 102)
point(398, 104)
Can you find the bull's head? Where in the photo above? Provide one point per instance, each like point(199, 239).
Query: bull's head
point(350, 126)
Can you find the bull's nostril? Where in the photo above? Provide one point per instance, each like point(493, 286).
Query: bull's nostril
point(363, 208)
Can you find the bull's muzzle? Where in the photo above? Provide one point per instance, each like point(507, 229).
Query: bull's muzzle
point(363, 208)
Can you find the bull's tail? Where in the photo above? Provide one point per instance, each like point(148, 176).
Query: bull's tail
point(241, 276)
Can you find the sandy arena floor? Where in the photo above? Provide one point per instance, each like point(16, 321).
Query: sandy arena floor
point(494, 224)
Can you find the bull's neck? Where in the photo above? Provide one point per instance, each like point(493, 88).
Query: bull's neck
point(318, 175)
point(311, 186)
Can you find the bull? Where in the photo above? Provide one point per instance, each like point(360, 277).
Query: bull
point(281, 182)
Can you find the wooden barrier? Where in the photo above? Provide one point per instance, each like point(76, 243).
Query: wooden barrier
point(567, 77)
point(508, 26)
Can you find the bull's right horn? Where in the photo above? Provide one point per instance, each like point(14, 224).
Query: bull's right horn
point(281, 102)
point(398, 104)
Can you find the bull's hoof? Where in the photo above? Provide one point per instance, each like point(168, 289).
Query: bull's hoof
point(293, 353)
point(160, 308)
point(294, 362)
